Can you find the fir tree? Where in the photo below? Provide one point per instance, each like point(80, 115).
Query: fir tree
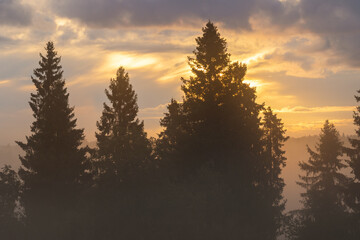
point(173, 136)
point(122, 143)
point(218, 109)
point(353, 196)
point(324, 214)
point(217, 130)
point(122, 161)
point(54, 163)
point(273, 162)
point(210, 61)
point(354, 154)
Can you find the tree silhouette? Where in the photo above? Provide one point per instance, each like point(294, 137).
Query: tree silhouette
point(10, 226)
point(324, 214)
point(353, 196)
point(54, 163)
point(213, 142)
point(273, 161)
point(122, 158)
point(213, 173)
point(210, 61)
point(122, 143)
point(215, 102)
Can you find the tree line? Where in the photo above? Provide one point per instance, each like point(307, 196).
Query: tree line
point(214, 172)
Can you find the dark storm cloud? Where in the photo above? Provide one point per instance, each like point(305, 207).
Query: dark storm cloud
point(280, 14)
point(141, 41)
point(119, 13)
point(13, 13)
point(331, 16)
point(338, 23)
point(346, 50)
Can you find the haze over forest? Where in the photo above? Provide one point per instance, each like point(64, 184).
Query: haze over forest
point(295, 149)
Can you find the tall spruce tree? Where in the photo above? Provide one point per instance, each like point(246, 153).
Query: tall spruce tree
point(216, 130)
point(122, 143)
point(273, 162)
point(54, 164)
point(122, 158)
point(353, 196)
point(217, 112)
point(324, 214)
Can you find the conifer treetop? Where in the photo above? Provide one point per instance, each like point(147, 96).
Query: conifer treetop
point(211, 55)
point(53, 150)
point(121, 140)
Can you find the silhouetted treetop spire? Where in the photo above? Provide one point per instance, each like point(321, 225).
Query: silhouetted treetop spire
point(50, 68)
point(211, 55)
point(55, 165)
point(54, 129)
point(209, 64)
point(354, 152)
point(123, 147)
point(323, 215)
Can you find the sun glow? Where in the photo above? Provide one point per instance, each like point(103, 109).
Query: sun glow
point(4, 82)
point(253, 83)
point(62, 21)
point(129, 61)
point(254, 58)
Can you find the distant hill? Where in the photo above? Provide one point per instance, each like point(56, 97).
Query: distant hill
point(295, 151)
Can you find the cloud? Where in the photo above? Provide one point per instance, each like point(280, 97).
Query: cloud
point(14, 13)
point(114, 13)
point(311, 91)
point(316, 125)
point(6, 41)
point(304, 61)
point(3, 82)
point(153, 112)
point(330, 16)
point(333, 22)
point(232, 13)
point(307, 45)
point(337, 23)
point(325, 109)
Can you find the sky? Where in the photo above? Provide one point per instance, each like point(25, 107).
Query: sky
point(303, 56)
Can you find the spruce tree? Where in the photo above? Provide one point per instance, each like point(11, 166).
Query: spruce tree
point(218, 109)
point(122, 143)
point(273, 162)
point(354, 153)
point(54, 164)
point(353, 194)
point(324, 214)
point(122, 160)
point(216, 133)
point(210, 61)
